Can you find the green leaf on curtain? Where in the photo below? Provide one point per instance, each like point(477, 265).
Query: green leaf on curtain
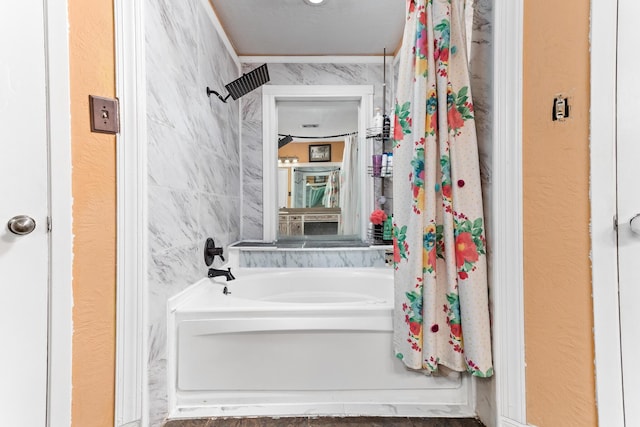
point(478, 373)
point(403, 112)
point(463, 227)
point(442, 26)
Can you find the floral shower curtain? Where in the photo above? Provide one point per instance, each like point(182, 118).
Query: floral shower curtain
point(441, 312)
point(331, 197)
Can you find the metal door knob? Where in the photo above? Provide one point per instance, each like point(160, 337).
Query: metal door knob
point(634, 223)
point(21, 224)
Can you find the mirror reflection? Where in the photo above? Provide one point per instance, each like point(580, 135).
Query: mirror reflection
point(317, 169)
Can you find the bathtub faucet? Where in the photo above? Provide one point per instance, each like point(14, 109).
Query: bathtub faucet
point(214, 272)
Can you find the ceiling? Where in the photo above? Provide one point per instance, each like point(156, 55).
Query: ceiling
point(293, 27)
point(332, 118)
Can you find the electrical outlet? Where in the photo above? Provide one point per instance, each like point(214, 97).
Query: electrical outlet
point(104, 114)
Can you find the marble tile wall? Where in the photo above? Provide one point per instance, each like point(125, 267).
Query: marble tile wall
point(336, 258)
point(292, 74)
point(193, 163)
point(481, 62)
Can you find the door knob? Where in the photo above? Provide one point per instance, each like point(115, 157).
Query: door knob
point(21, 224)
point(634, 223)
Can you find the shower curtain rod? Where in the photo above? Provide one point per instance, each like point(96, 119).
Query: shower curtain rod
point(336, 168)
point(319, 137)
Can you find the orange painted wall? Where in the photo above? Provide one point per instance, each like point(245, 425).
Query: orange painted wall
point(557, 270)
point(92, 71)
point(301, 150)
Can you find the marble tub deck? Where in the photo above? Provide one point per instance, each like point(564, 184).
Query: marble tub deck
point(327, 422)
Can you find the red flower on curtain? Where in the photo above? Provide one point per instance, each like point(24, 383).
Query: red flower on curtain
point(455, 118)
point(446, 191)
point(444, 55)
point(397, 129)
point(456, 330)
point(415, 328)
point(465, 249)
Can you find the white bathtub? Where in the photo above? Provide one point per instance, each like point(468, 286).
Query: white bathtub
point(297, 342)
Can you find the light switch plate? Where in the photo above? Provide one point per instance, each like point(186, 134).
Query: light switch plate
point(104, 114)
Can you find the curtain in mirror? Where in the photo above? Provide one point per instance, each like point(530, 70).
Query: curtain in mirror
point(350, 194)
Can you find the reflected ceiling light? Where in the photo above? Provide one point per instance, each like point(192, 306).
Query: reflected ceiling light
point(287, 160)
point(314, 2)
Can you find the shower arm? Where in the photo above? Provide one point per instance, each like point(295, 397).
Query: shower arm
point(209, 92)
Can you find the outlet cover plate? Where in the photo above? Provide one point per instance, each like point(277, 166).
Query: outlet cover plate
point(104, 114)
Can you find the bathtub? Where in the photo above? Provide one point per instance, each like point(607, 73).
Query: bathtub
point(285, 342)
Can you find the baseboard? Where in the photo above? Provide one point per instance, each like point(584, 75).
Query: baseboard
point(508, 422)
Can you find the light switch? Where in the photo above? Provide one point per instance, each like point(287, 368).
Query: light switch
point(104, 114)
point(560, 108)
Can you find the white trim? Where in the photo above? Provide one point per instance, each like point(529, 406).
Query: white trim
point(131, 370)
point(507, 272)
point(604, 254)
point(61, 201)
point(507, 422)
point(313, 59)
point(210, 11)
point(270, 94)
point(241, 165)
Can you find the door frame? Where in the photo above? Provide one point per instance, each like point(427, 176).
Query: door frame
point(131, 391)
point(507, 281)
point(604, 254)
point(60, 211)
point(507, 291)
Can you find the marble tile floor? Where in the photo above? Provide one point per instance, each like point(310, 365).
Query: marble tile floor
point(327, 422)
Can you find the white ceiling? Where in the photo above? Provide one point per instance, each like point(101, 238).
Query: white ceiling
point(293, 27)
point(332, 118)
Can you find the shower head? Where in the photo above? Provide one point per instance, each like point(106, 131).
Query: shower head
point(284, 141)
point(245, 84)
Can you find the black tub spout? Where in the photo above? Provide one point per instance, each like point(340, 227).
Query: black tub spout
point(214, 272)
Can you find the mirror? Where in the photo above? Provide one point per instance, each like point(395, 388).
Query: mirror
point(314, 170)
point(318, 190)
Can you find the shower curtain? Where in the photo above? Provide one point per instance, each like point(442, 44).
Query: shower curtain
point(314, 196)
point(441, 297)
point(332, 191)
point(349, 189)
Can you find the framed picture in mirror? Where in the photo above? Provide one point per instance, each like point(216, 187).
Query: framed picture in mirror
point(320, 153)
